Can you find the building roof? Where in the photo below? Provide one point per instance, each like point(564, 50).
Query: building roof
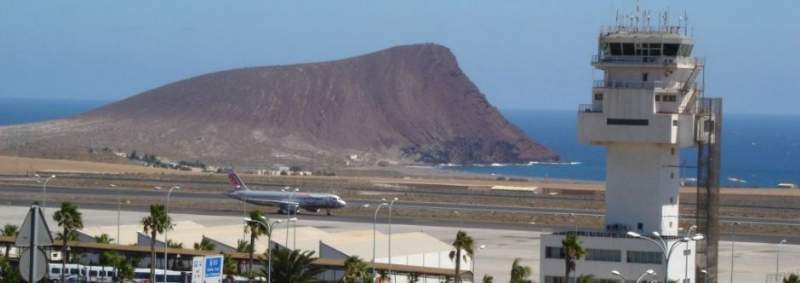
point(402, 244)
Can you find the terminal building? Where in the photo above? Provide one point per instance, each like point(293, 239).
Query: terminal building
point(643, 110)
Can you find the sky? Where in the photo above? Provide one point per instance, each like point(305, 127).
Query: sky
point(521, 54)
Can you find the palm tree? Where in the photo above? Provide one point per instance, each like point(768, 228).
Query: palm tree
point(205, 245)
point(463, 242)
point(487, 279)
point(412, 277)
point(355, 270)
point(156, 223)
point(792, 278)
point(229, 268)
point(103, 239)
point(587, 278)
point(9, 230)
point(293, 266)
point(256, 229)
point(573, 251)
point(70, 220)
point(519, 273)
point(242, 246)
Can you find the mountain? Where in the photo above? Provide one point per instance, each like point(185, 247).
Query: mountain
point(403, 104)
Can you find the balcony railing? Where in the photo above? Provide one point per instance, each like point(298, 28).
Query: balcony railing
point(647, 60)
point(589, 108)
point(634, 84)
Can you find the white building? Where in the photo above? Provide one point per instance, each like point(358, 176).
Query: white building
point(643, 112)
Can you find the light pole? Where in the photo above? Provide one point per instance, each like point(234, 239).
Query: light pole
point(705, 275)
point(575, 221)
point(666, 249)
point(374, 226)
point(288, 226)
point(119, 208)
point(166, 240)
point(475, 258)
point(649, 272)
point(44, 188)
point(391, 204)
point(733, 247)
point(291, 206)
point(778, 258)
point(269, 227)
point(686, 253)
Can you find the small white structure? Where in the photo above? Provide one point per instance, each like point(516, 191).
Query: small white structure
point(643, 111)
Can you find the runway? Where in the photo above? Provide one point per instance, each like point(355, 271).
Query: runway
point(25, 195)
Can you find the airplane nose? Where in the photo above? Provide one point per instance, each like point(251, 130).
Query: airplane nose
point(342, 203)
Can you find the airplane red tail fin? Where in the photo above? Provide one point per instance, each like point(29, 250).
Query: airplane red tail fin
point(236, 182)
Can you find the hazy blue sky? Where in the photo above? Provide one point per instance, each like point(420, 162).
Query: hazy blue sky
point(522, 54)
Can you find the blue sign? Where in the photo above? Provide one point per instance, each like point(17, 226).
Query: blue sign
point(213, 266)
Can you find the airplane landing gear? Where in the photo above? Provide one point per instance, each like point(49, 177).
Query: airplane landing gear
point(328, 212)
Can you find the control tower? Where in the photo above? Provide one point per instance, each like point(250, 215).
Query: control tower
point(643, 111)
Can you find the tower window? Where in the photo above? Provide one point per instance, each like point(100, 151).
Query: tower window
point(658, 98)
point(598, 96)
point(644, 77)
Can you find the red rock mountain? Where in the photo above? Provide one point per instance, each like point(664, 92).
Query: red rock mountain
point(407, 103)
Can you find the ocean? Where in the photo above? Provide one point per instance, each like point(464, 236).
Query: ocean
point(757, 150)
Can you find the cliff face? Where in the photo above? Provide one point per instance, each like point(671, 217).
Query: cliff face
point(407, 103)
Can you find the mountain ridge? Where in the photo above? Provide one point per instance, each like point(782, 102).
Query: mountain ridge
point(406, 104)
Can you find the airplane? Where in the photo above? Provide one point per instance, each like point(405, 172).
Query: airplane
point(287, 202)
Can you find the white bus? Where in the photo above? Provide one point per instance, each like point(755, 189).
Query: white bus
point(142, 275)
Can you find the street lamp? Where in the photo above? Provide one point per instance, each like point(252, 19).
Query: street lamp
point(288, 226)
point(778, 258)
point(166, 240)
point(44, 188)
point(374, 225)
point(269, 226)
point(705, 275)
point(649, 272)
point(119, 208)
point(391, 204)
point(291, 206)
point(733, 247)
point(475, 257)
point(666, 249)
point(686, 253)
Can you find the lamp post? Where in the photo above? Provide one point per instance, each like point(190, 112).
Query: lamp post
point(391, 204)
point(291, 206)
point(686, 253)
point(119, 207)
point(269, 227)
point(733, 247)
point(288, 226)
point(374, 226)
point(44, 188)
point(649, 272)
point(666, 249)
point(705, 275)
point(778, 258)
point(475, 258)
point(166, 240)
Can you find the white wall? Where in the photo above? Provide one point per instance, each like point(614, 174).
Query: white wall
point(677, 267)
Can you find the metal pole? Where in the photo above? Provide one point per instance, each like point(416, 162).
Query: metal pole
point(33, 245)
point(166, 240)
point(119, 209)
point(733, 247)
point(374, 229)
point(391, 204)
point(778, 259)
